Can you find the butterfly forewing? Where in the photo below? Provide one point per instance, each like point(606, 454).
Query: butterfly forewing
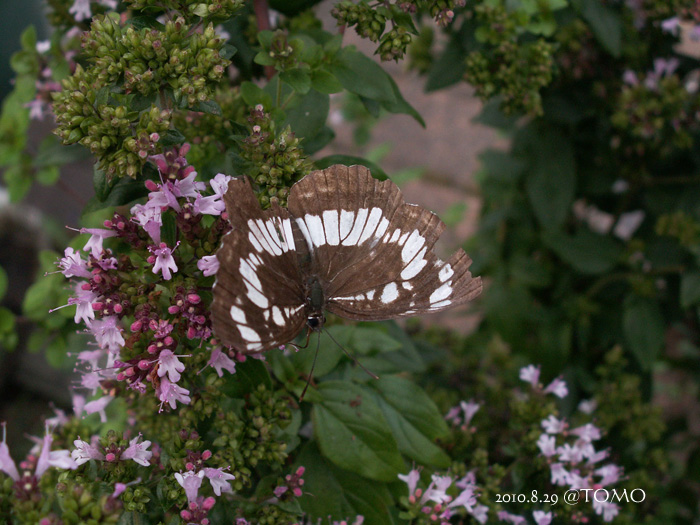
point(259, 298)
point(374, 252)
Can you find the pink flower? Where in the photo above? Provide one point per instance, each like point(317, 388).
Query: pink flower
point(164, 261)
point(57, 458)
point(97, 235)
point(171, 365)
point(107, 333)
point(80, 10)
point(547, 445)
point(530, 374)
point(137, 451)
point(219, 480)
point(552, 425)
point(84, 452)
point(150, 218)
point(170, 393)
point(558, 388)
point(541, 517)
point(99, 405)
point(190, 482)
point(411, 479)
point(72, 265)
point(220, 362)
point(209, 265)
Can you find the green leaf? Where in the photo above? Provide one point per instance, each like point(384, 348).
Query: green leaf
point(307, 114)
point(353, 433)
point(361, 75)
point(400, 105)
point(3, 282)
point(414, 420)
point(585, 251)
point(605, 23)
point(249, 374)
point(172, 137)
point(643, 327)
point(254, 95)
point(330, 491)
point(208, 106)
point(324, 82)
point(690, 289)
point(551, 179)
point(298, 79)
point(349, 160)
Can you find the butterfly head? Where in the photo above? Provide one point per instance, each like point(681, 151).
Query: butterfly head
point(315, 322)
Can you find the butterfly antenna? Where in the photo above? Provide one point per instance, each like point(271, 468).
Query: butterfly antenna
point(371, 374)
point(313, 365)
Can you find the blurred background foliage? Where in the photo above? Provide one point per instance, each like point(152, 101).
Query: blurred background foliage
point(589, 234)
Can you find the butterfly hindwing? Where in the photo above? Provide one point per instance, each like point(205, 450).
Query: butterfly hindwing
point(374, 252)
point(258, 296)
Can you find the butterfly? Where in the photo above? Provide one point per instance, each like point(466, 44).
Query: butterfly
point(347, 243)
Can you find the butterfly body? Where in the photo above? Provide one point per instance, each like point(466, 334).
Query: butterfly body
point(347, 243)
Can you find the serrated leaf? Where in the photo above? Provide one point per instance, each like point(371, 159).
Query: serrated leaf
point(414, 420)
point(171, 137)
point(299, 80)
point(331, 491)
point(644, 329)
point(362, 76)
point(324, 82)
point(349, 160)
point(254, 95)
point(353, 433)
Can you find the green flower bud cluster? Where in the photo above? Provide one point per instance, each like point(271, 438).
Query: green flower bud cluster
point(109, 107)
point(81, 506)
point(516, 71)
point(208, 133)
point(210, 9)
point(272, 515)
point(368, 22)
point(681, 226)
point(658, 118)
point(252, 437)
point(275, 158)
point(150, 60)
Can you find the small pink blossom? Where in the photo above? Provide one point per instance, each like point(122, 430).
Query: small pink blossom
point(85, 451)
point(163, 259)
point(171, 393)
point(219, 480)
point(220, 362)
point(530, 374)
point(558, 388)
point(138, 451)
point(72, 265)
point(171, 365)
point(99, 405)
point(209, 265)
point(190, 482)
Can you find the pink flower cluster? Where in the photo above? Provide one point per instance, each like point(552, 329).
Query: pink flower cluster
point(107, 307)
point(437, 505)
